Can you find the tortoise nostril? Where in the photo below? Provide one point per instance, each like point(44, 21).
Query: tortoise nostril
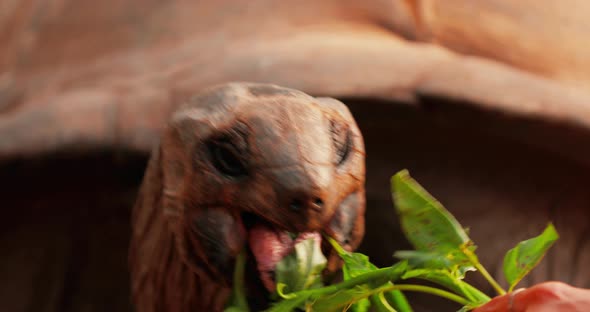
point(299, 204)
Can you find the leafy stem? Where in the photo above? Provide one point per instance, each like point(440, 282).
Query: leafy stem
point(364, 278)
point(384, 302)
point(294, 299)
point(389, 273)
point(443, 253)
point(481, 269)
point(418, 288)
point(238, 301)
point(490, 279)
point(430, 290)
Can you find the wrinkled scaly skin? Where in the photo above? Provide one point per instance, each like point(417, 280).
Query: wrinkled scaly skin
point(187, 222)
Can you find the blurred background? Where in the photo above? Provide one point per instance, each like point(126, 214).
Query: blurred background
point(487, 103)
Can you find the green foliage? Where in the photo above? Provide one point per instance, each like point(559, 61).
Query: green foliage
point(443, 255)
point(450, 281)
point(356, 264)
point(439, 239)
point(520, 260)
point(238, 301)
point(426, 223)
point(302, 268)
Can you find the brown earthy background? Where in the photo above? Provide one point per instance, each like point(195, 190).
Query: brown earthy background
point(487, 103)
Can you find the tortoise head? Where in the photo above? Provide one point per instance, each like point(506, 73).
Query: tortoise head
point(240, 165)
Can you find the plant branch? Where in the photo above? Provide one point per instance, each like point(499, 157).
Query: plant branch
point(473, 258)
point(420, 288)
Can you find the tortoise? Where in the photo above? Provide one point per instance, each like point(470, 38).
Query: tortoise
point(500, 135)
point(242, 165)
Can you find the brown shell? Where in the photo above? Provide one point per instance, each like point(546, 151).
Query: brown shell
point(89, 79)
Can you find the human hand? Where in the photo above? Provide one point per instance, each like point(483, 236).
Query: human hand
point(545, 297)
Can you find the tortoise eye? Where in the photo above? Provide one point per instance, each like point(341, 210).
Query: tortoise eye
point(342, 140)
point(228, 154)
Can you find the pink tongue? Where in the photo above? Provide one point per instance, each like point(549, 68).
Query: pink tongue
point(270, 247)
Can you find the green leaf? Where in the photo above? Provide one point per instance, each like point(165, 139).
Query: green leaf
point(346, 299)
point(439, 239)
point(432, 261)
point(520, 260)
point(303, 267)
point(355, 288)
point(238, 301)
point(356, 264)
point(431, 228)
point(424, 220)
point(340, 300)
point(452, 260)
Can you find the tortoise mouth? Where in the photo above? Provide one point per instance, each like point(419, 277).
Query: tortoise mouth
point(268, 245)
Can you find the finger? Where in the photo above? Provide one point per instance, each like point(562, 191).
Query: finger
point(502, 303)
point(497, 304)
